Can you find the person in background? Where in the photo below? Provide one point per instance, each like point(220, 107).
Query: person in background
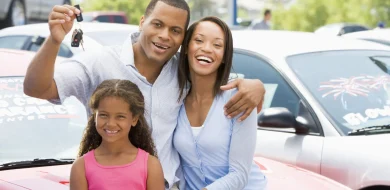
point(265, 24)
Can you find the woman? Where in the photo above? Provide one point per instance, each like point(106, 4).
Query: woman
point(211, 156)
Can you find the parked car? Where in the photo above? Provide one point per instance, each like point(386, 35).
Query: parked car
point(381, 36)
point(20, 12)
point(106, 16)
point(327, 105)
point(39, 140)
point(30, 37)
point(338, 29)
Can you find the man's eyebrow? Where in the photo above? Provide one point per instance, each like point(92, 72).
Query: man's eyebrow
point(158, 20)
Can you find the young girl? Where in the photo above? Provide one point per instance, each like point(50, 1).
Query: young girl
point(117, 151)
point(212, 156)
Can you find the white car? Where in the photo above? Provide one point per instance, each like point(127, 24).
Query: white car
point(30, 37)
point(327, 103)
point(381, 36)
point(338, 29)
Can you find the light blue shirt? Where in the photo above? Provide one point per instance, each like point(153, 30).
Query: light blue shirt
point(80, 75)
point(220, 157)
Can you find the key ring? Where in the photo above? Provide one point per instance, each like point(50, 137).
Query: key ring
point(77, 36)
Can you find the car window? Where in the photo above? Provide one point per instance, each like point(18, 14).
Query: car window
point(34, 128)
point(13, 42)
point(353, 87)
point(119, 19)
point(278, 91)
point(350, 29)
point(359, 28)
point(63, 52)
point(103, 18)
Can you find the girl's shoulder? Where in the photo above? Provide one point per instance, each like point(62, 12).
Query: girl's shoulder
point(78, 166)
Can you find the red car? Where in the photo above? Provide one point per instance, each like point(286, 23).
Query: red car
point(106, 16)
point(39, 140)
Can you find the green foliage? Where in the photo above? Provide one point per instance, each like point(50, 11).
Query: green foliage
point(133, 8)
point(308, 15)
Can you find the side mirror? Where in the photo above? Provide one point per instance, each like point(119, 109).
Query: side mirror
point(278, 117)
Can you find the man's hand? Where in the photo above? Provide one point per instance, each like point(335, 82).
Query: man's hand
point(61, 21)
point(250, 95)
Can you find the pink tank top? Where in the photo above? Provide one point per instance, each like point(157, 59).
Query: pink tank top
point(129, 176)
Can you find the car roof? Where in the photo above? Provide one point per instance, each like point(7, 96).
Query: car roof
point(42, 29)
point(16, 62)
point(380, 34)
point(281, 44)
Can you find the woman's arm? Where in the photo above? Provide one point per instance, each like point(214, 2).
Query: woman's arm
point(78, 181)
point(155, 179)
point(242, 149)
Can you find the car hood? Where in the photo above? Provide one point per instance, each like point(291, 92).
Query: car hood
point(42, 178)
point(279, 175)
point(285, 176)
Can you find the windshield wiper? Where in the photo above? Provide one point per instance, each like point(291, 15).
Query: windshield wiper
point(370, 130)
point(35, 163)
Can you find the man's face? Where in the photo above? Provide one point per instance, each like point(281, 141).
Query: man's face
point(162, 32)
point(268, 16)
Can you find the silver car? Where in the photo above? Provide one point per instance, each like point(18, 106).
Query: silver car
point(327, 105)
point(30, 37)
point(20, 12)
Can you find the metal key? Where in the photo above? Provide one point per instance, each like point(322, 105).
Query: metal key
point(77, 38)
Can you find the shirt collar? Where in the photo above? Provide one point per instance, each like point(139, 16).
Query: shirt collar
point(127, 52)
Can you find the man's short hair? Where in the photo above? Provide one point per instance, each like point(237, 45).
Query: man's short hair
point(181, 4)
point(267, 12)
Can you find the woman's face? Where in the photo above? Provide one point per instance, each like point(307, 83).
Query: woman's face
point(114, 119)
point(206, 49)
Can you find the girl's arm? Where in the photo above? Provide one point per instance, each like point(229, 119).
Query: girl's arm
point(155, 180)
point(242, 149)
point(78, 181)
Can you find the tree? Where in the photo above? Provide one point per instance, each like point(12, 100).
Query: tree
point(308, 15)
point(133, 8)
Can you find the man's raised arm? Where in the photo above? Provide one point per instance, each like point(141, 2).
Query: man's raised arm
point(39, 80)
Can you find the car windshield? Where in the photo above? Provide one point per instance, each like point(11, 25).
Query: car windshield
point(353, 87)
point(33, 128)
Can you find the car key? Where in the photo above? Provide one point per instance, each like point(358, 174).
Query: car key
point(77, 38)
point(79, 17)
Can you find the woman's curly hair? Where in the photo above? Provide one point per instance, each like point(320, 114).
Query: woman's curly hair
point(139, 136)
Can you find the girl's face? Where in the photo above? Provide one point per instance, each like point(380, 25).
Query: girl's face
point(114, 119)
point(206, 48)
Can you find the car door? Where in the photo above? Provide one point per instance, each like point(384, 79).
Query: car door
point(275, 143)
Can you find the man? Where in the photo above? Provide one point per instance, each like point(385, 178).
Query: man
point(265, 23)
point(148, 58)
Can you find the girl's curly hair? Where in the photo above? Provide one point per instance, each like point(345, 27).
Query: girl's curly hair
point(139, 136)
